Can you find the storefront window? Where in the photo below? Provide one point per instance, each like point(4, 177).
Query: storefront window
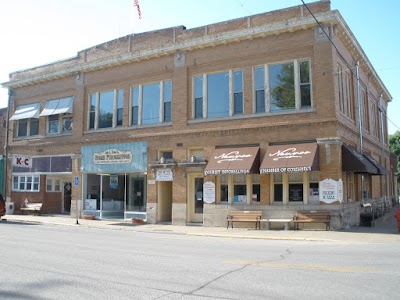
point(239, 189)
point(295, 187)
point(278, 187)
point(224, 188)
point(256, 188)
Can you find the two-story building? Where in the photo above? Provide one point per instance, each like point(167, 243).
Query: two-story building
point(271, 112)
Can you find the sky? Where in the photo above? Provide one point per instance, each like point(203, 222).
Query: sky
point(38, 32)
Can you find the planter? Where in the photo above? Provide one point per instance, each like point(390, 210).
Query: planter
point(89, 217)
point(137, 221)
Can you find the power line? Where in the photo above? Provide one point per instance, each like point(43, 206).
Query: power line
point(350, 68)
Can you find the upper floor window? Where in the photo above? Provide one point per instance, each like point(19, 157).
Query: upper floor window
point(365, 120)
point(27, 117)
point(345, 93)
point(218, 94)
point(151, 103)
point(59, 115)
point(106, 109)
point(282, 86)
point(373, 113)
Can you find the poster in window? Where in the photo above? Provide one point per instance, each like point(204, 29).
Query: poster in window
point(113, 182)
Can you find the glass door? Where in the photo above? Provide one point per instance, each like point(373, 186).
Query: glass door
point(198, 195)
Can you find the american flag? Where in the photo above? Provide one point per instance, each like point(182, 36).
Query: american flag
point(136, 3)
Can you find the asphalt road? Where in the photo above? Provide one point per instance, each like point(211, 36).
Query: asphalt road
point(59, 262)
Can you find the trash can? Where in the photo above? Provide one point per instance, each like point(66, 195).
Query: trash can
point(9, 208)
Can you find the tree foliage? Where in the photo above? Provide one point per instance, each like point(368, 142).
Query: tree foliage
point(394, 147)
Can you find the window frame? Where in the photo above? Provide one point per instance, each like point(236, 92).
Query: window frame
point(297, 83)
point(29, 127)
point(200, 95)
point(53, 183)
point(21, 182)
point(165, 101)
point(93, 115)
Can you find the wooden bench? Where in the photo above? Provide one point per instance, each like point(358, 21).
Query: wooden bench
point(323, 217)
point(244, 216)
point(35, 208)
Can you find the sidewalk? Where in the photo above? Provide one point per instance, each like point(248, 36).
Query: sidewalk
point(385, 229)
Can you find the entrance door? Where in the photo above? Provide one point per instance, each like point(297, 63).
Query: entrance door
point(67, 197)
point(195, 198)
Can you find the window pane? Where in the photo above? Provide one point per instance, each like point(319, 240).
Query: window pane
point(53, 124)
point(29, 183)
point(238, 103)
point(167, 112)
point(15, 182)
point(167, 101)
point(198, 108)
point(198, 97)
point(218, 95)
point(106, 109)
point(22, 183)
point(135, 106)
point(67, 124)
point(151, 104)
point(34, 127)
point(281, 80)
point(22, 127)
point(259, 84)
point(49, 185)
point(92, 111)
point(260, 101)
point(296, 192)
point(224, 193)
point(120, 107)
point(305, 95)
point(278, 192)
point(304, 72)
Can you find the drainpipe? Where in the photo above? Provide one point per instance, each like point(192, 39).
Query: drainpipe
point(10, 94)
point(380, 108)
point(360, 126)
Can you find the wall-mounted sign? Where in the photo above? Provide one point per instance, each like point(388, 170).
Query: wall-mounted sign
point(112, 156)
point(209, 192)
point(329, 191)
point(22, 161)
point(164, 175)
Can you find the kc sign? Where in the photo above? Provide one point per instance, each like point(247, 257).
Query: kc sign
point(22, 161)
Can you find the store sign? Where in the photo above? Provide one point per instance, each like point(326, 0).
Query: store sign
point(112, 156)
point(22, 161)
point(330, 191)
point(164, 175)
point(231, 156)
point(209, 192)
point(289, 153)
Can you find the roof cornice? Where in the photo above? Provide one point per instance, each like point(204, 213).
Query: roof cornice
point(211, 40)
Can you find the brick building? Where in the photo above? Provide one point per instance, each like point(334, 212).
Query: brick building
point(183, 125)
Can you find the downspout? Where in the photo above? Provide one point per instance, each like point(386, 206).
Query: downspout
point(10, 95)
point(360, 126)
point(380, 108)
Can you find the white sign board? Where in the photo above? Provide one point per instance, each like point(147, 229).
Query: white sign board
point(164, 175)
point(328, 191)
point(209, 192)
point(22, 161)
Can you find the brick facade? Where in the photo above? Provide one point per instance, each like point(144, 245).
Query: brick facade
point(177, 55)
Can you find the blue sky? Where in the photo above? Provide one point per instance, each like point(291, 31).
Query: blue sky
point(42, 31)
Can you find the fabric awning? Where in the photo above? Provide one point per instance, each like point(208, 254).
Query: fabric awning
point(381, 169)
point(291, 158)
point(26, 112)
point(354, 161)
point(58, 106)
point(244, 160)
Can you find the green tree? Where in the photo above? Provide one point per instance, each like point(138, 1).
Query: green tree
point(282, 86)
point(394, 147)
